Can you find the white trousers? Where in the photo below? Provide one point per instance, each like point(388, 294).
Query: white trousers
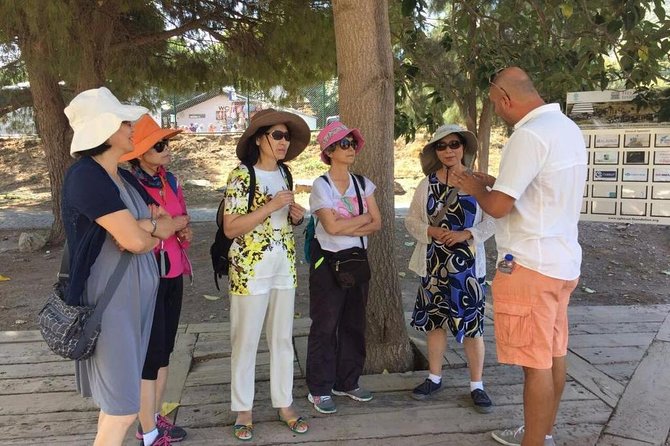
point(246, 322)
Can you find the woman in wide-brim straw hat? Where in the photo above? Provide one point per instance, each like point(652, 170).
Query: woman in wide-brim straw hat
point(450, 229)
point(106, 211)
point(336, 344)
point(149, 161)
point(262, 276)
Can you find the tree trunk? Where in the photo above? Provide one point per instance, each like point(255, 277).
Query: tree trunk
point(484, 136)
point(53, 127)
point(365, 72)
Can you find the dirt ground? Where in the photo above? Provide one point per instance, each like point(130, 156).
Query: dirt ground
point(623, 264)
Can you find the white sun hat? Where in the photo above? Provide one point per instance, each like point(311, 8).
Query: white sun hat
point(95, 115)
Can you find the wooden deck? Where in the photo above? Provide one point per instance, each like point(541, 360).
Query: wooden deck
point(618, 391)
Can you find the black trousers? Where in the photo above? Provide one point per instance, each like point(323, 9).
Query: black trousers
point(164, 328)
point(336, 343)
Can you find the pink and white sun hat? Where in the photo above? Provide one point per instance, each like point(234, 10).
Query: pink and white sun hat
point(334, 132)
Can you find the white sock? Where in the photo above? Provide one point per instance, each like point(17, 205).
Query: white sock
point(474, 385)
point(150, 437)
point(437, 379)
point(548, 437)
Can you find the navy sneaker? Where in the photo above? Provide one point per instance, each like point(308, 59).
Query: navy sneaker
point(426, 390)
point(482, 401)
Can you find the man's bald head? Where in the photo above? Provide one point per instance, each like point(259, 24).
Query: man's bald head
point(520, 94)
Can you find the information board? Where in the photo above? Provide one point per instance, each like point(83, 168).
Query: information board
point(628, 158)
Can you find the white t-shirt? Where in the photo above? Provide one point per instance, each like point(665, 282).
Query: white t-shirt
point(326, 196)
point(543, 167)
point(264, 258)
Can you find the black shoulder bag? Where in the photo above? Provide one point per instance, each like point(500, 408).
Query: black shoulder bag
point(71, 331)
point(350, 266)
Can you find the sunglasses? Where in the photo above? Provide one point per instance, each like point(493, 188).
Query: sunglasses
point(492, 78)
point(453, 145)
point(160, 146)
point(277, 135)
point(346, 144)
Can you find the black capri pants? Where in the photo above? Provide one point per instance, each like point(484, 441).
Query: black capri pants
point(164, 328)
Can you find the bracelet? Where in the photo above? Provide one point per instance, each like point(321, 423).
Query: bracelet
point(154, 225)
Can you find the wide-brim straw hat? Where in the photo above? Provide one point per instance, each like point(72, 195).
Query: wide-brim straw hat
point(146, 133)
point(334, 132)
point(297, 128)
point(429, 160)
point(95, 115)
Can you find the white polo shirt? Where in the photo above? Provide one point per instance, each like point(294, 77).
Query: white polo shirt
point(543, 167)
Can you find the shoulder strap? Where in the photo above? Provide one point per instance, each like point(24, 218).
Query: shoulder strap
point(287, 174)
point(172, 181)
point(360, 203)
point(361, 180)
point(252, 185)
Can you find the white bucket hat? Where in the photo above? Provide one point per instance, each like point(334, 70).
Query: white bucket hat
point(429, 161)
point(95, 115)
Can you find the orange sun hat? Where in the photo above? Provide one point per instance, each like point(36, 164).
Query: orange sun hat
point(146, 133)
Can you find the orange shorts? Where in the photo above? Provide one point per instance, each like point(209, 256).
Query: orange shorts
point(530, 313)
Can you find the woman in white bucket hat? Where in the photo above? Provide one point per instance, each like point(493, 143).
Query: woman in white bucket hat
point(450, 229)
point(106, 212)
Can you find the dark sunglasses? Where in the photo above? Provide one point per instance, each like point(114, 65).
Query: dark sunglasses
point(346, 144)
point(453, 145)
point(160, 146)
point(277, 135)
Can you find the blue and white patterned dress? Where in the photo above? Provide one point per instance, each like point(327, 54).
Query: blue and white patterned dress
point(450, 292)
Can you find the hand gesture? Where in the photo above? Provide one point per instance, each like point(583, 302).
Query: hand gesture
point(185, 235)
point(296, 212)
point(281, 199)
point(180, 222)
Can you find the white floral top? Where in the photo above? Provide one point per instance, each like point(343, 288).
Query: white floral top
point(264, 258)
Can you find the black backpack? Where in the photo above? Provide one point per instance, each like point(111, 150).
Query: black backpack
point(221, 246)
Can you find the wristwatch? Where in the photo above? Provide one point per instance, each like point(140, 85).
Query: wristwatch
point(154, 225)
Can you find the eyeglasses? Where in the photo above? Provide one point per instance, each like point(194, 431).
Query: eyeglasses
point(453, 145)
point(277, 135)
point(160, 146)
point(346, 144)
point(492, 79)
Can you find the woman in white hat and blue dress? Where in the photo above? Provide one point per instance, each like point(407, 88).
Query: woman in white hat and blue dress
point(450, 229)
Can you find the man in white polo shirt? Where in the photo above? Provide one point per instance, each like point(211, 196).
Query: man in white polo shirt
point(536, 199)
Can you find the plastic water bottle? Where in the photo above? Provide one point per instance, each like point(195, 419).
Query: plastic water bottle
point(506, 265)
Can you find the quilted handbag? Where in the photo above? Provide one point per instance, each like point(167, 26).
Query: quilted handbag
point(71, 331)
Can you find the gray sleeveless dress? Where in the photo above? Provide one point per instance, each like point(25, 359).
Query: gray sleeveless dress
point(112, 375)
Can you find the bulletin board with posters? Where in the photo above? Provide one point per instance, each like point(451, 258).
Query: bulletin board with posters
point(628, 158)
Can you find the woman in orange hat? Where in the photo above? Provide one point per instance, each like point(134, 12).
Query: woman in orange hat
point(148, 162)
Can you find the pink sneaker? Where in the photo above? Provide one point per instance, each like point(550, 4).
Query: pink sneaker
point(176, 433)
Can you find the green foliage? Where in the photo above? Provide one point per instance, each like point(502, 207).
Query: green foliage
point(446, 51)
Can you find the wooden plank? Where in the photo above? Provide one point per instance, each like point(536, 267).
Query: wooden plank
point(609, 355)
point(595, 381)
point(620, 371)
point(425, 421)
point(28, 404)
point(611, 440)
point(614, 327)
point(217, 371)
point(28, 353)
point(54, 425)
point(664, 331)
point(618, 313)
point(20, 336)
point(37, 385)
point(180, 365)
point(220, 393)
point(300, 346)
point(642, 412)
point(59, 368)
point(611, 340)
